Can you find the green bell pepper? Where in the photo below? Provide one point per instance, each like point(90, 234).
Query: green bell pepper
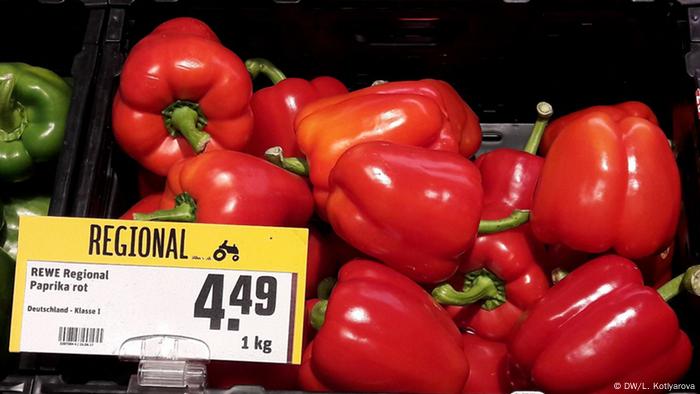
point(34, 106)
point(14, 207)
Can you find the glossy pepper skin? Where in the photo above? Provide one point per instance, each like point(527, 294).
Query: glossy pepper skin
point(180, 93)
point(23, 204)
point(228, 187)
point(617, 112)
point(656, 268)
point(598, 326)
point(34, 105)
point(503, 276)
point(488, 372)
point(621, 192)
point(383, 333)
point(509, 178)
point(416, 210)
point(276, 107)
point(321, 261)
point(504, 280)
point(426, 113)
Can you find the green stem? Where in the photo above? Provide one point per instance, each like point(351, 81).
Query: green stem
point(689, 280)
point(186, 118)
point(544, 112)
point(296, 165)
point(259, 65)
point(558, 274)
point(318, 314)
point(184, 211)
point(325, 287)
point(515, 219)
point(480, 285)
point(12, 119)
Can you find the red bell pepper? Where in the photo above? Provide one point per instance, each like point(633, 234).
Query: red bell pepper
point(149, 203)
point(380, 331)
point(503, 280)
point(503, 277)
point(488, 372)
point(509, 178)
point(275, 107)
point(425, 113)
point(656, 268)
point(322, 261)
point(608, 183)
point(601, 325)
point(181, 92)
point(227, 187)
point(438, 196)
point(617, 112)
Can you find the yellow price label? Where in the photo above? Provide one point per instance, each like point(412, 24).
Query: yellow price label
point(85, 286)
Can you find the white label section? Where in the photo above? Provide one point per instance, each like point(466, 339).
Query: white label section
point(93, 308)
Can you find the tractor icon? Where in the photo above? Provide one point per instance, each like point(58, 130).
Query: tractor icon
point(225, 249)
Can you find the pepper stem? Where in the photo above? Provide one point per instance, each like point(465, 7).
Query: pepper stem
point(259, 65)
point(12, 117)
point(296, 165)
point(689, 280)
point(325, 287)
point(186, 118)
point(544, 112)
point(318, 314)
point(479, 285)
point(558, 274)
point(184, 211)
point(518, 217)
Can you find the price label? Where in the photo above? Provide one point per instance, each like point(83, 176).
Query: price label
point(239, 289)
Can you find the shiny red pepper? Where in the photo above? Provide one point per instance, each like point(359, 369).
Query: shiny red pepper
point(425, 113)
point(275, 107)
point(509, 178)
point(439, 191)
point(503, 280)
point(599, 326)
point(181, 93)
point(617, 112)
point(322, 261)
point(380, 331)
point(656, 268)
point(415, 209)
point(488, 372)
point(227, 187)
point(503, 277)
point(608, 183)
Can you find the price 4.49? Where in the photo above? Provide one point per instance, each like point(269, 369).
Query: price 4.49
point(241, 296)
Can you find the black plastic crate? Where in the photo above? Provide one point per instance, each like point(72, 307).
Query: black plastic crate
point(64, 37)
point(502, 58)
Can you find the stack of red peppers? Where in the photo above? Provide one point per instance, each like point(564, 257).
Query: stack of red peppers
point(383, 177)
